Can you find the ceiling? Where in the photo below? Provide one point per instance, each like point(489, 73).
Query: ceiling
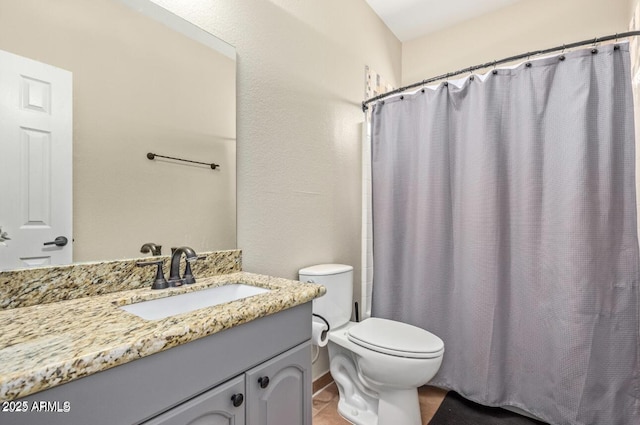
point(409, 19)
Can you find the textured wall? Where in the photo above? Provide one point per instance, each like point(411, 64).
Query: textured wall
point(300, 82)
point(524, 26)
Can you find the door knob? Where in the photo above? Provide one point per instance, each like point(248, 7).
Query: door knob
point(59, 241)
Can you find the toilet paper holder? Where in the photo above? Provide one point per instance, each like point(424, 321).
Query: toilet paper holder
point(319, 331)
point(323, 319)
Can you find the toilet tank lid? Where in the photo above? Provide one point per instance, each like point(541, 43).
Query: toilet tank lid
point(325, 269)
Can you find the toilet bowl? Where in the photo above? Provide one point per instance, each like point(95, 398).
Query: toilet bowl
point(377, 364)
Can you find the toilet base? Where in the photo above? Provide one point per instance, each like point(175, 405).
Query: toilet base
point(357, 416)
point(363, 402)
point(357, 404)
point(394, 407)
point(399, 407)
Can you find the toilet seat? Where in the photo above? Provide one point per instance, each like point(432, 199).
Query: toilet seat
point(396, 339)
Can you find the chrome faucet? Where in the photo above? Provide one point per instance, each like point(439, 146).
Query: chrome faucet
point(174, 274)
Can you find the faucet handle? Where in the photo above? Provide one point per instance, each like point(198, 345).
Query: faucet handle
point(159, 282)
point(188, 275)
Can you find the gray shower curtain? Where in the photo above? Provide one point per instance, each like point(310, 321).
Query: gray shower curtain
point(504, 221)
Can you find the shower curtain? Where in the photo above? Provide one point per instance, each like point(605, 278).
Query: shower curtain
point(504, 221)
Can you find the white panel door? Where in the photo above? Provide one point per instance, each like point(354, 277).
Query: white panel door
point(35, 162)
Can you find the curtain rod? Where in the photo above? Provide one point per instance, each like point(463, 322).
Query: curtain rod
point(498, 62)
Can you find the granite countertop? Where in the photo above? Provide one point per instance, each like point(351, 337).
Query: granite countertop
point(46, 345)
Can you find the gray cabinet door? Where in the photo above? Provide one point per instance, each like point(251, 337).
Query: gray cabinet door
point(279, 390)
point(214, 407)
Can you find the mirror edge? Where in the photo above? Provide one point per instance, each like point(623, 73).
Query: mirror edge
point(181, 25)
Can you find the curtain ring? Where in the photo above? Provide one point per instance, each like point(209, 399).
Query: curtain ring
point(616, 46)
point(495, 71)
point(595, 45)
point(562, 56)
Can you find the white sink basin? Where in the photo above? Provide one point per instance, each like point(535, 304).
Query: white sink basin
point(183, 303)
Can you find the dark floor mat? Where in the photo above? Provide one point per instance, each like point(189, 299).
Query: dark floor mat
point(456, 410)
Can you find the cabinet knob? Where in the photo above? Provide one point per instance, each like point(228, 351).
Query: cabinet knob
point(237, 399)
point(263, 381)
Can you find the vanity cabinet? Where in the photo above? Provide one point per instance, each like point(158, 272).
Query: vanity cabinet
point(194, 383)
point(276, 392)
point(214, 407)
point(279, 390)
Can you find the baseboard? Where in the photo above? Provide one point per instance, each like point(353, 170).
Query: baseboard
point(322, 382)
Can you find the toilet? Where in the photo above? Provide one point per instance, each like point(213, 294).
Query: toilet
point(377, 364)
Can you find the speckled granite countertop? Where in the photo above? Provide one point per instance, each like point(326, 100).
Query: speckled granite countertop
point(46, 345)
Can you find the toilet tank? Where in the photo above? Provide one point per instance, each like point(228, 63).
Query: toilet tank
point(335, 306)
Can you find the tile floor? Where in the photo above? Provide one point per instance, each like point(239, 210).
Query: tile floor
point(325, 405)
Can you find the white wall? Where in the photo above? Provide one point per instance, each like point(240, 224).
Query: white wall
point(300, 83)
point(299, 87)
point(522, 27)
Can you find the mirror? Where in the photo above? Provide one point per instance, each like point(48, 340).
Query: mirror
point(141, 85)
